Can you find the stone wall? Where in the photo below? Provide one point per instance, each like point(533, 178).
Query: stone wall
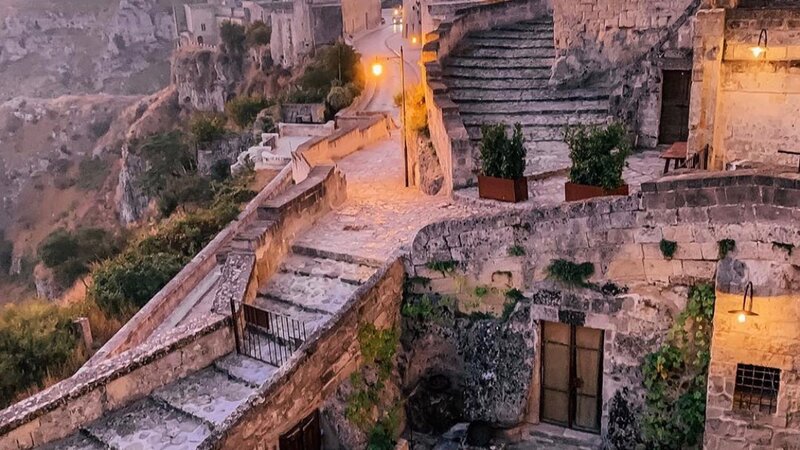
point(325, 361)
point(75, 402)
point(360, 15)
point(142, 325)
point(303, 112)
point(448, 135)
point(621, 238)
point(228, 149)
point(728, 80)
point(353, 136)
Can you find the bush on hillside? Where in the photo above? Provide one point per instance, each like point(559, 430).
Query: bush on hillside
point(168, 157)
point(338, 64)
point(92, 172)
point(36, 340)
point(258, 34)
point(70, 253)
point(243, 110)
point(6, 254)
point(207, 127)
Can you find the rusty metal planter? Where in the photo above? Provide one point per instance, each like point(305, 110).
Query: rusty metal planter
point(503, 189)
point(574, 191)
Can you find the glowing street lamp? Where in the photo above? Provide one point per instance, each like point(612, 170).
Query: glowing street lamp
point(745, 312)
point(761, 48)
point(413, 39)
point(377, 70)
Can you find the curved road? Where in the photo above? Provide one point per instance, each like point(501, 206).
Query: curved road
point(383, 44)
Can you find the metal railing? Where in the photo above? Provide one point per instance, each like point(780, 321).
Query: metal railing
point(264, 335)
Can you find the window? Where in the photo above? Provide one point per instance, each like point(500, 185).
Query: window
point(202, 27)
point(756, 388)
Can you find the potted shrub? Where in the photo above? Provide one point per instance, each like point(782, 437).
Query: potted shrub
point(598, 157)
point(502, 164)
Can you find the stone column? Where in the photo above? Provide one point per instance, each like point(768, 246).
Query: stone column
point(84, 329)
point(709, 47)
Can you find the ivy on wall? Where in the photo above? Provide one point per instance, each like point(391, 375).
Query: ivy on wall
point(676, 375)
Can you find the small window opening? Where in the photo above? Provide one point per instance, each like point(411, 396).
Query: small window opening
point(756, 388)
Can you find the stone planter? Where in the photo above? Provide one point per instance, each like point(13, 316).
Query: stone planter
point(503, 189)
point(574, 191)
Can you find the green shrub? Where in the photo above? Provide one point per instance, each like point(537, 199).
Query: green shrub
point(36, 340)
point(191, 189)
point(207, 127)
point(243, 110)
point(92, 172)
point(598, 155)
point(416, 112)
point(481, 291)
point(99, 128)
point(129, 281)
point(339, 98)
point(500, 156)
point(6, 254)
point(675, 377)
point(570, 273)
point(167, 156)
point(233, 38)
point(516, 250)
point(668, 248)
point(726, 246)
point(444, 267)
point(69, 254)
point(338, 64)
point(305, 96)
point(220, 170)
point(378, 349)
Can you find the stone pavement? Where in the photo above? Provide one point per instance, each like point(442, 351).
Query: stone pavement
point(642, 166)
point(380, 214)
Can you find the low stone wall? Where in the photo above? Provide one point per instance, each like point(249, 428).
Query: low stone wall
point(352, 137)
point(448, 135)
point(328, 358)
point(305, 129)
point(142, 325)
point(254, 255)
point(77, 401)
point(621, 237)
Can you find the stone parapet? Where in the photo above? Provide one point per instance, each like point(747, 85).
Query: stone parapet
point(75, 402)
point(142, 325)
point(356, 132)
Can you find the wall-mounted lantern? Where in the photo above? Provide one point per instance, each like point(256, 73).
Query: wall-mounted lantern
point(747, 310)
point(761, 48)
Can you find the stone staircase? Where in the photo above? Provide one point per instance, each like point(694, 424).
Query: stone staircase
point(502, 76)
point(310, 286)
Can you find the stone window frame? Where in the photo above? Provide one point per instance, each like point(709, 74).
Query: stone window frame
point(752, 392)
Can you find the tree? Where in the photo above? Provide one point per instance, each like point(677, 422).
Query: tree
point(70, 254)
point(233, 38)
point(258, 34)
point(339, 98)
point(167, 157)
point(243, 110)
point(338, 63)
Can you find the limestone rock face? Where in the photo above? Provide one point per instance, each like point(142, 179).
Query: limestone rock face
point(205, 78)
point(131, 200)
point(50, 48)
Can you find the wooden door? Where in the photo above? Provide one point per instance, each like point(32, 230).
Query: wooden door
point(572, 363)
point(306, 435)
point(675, 96)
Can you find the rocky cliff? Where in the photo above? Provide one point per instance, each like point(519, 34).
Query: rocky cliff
point(56, 47)
point(205, 78)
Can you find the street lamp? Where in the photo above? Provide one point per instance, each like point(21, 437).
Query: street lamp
point(745, 312)
point(377, 70)
point(761, 48)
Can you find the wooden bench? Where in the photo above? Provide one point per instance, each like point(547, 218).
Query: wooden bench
point(679, 153)
point(793, 153)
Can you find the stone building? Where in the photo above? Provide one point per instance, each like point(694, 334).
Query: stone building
point(360, 15)
point(198, 23)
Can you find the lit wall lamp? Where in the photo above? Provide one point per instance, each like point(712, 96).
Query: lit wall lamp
point(746, 311)
point(761, 48)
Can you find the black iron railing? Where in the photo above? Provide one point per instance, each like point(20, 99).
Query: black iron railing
point(264, 335)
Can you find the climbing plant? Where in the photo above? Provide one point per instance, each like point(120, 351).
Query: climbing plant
point(570, 273)
point(675, 377)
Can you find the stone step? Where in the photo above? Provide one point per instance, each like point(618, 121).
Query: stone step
point(487, 42)
point(305, 250)
point(538, 165)
point(479, 73)
point(77, 441)
point(503, 54)
point(526, 26)
point(265, 348)
point(506, 95)
point(210, 395)
point(505, 63)
point(313, 319)
point(322, 267)
point(535, 107)
point(247, 370)
point(311, 293)
point(555, 119)
point(531, 132)
point(516, 84)
point(514, 35)
point(148, 424)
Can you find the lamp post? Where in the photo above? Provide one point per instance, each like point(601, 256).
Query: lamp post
point(761, 47)
point(745, 312)
point(377, 71)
